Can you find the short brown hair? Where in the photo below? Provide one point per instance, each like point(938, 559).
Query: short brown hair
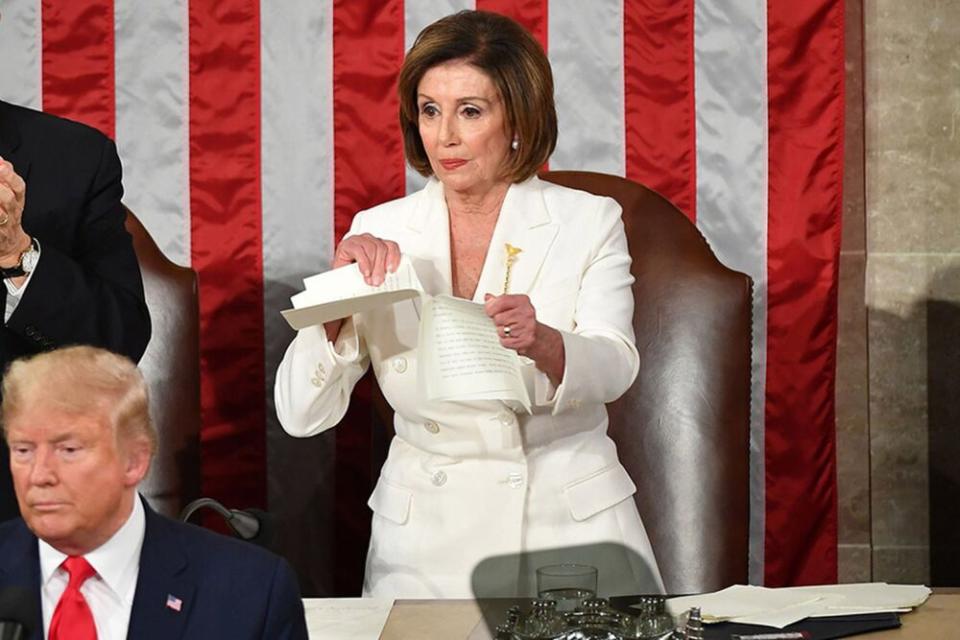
point(82, 381)
point(512, 59)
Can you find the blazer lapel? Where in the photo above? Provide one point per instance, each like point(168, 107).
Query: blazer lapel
point(165, 590)
point(430, 223)
point(524, 223)
point(21, 568)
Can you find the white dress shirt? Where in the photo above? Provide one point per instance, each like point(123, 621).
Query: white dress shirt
point(14, 293)
point(109, 594)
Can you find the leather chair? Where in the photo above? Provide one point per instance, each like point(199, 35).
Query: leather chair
point(171, 366)
point(682, 429)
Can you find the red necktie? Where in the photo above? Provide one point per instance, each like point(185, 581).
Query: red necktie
point(72, 619)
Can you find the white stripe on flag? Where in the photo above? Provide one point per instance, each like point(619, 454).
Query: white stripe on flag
point(586, 53)
point(418, 14)
point(730, 51)
point(20, 46)
point(296, 160)
point(153, 115)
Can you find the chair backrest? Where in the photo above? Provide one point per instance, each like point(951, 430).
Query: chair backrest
point(171, 366)
point(682, 429)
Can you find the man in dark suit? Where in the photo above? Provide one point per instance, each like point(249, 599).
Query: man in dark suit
point(70, 275)
point(102, 563)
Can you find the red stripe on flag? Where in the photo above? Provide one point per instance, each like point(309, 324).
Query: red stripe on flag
point(805, 84)
point(368, 48)
point(368, 41)
point(226, 244)
point(660, 114)
point(532, 14)
point(77, 61)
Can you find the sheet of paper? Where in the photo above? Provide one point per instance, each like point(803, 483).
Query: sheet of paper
point(460, 353)
point(462, 358)
point(738, 601)
point(780, 618)
point(871, 595)
point(346, 618)
point(781, 607)
point(341, 292)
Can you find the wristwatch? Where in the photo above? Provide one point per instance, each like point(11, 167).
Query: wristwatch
point(28, 262)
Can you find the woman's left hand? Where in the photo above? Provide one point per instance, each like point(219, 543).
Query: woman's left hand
point(516, 320)
point(517, 326)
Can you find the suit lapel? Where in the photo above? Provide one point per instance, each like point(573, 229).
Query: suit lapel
point(430, 222)
point(164, 584)
point(20, 567)
point(524, 223)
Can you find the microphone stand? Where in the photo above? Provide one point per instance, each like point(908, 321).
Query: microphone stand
point(248, 524)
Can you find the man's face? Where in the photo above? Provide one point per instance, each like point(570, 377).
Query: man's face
point(74, 484)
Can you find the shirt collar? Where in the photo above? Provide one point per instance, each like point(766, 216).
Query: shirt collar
point(116, 561)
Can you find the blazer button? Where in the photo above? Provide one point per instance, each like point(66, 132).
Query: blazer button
point(400, 364)
point(319, 375)
point(515, 479)
point(431, 426)
point(506, 418)
point(439, 479)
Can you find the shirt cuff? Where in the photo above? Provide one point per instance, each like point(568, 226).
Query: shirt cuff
point(15, 293)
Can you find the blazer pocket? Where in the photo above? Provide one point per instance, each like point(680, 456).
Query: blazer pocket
point(598, 491)
point(390, 501)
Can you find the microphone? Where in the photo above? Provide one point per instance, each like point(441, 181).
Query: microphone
point(252, 525)
point(18, 613)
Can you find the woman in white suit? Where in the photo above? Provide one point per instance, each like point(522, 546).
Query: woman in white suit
point(465, 482)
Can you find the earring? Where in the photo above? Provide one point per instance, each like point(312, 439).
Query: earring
point(515, 144)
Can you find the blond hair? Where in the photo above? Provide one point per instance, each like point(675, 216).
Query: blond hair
point(515, 63)
point(82, 381)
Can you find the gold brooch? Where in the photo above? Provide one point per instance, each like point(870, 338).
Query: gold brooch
point(512, 253)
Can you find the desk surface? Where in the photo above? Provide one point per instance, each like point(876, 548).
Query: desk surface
point(939, 617)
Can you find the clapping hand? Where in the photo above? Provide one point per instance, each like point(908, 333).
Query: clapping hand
point(13, 239)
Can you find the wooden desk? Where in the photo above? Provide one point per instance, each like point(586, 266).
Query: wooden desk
point(938, 618)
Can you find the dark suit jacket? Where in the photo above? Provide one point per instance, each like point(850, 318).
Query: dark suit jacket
point(228, 588)
point(87, 287)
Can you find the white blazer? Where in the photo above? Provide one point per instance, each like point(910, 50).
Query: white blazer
point(464, 482)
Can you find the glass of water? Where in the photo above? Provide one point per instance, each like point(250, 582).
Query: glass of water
point(567, 584)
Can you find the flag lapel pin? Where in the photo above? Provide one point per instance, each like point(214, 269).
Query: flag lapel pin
point(174, 603)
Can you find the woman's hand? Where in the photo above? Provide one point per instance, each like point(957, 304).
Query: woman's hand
point(374, 257)
point(517, 326)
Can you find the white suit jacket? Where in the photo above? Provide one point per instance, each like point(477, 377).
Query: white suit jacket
point(475, 480)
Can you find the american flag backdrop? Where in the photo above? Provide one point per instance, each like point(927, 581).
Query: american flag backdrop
point(251, 131)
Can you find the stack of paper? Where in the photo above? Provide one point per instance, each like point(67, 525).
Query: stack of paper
point(346, 618)
point(339, 293)
point(461, 358)
point(782, 607)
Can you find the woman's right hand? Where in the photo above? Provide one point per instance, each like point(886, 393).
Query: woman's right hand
point(374, 257)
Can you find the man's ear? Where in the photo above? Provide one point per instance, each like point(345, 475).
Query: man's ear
point(137, 464)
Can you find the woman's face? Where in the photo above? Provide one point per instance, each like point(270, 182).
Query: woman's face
point(463, 127)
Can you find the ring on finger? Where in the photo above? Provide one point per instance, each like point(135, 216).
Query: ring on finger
point(4, 218)
point(506, 331)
